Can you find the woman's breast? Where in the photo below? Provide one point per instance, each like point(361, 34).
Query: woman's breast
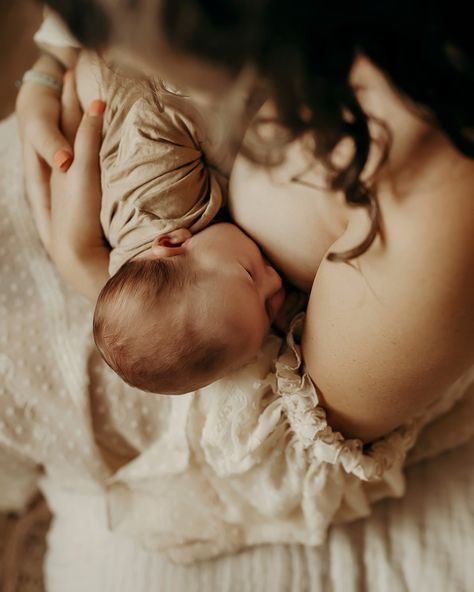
point(294, 224)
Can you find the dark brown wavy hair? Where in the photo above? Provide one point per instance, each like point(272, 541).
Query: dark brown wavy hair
point(304, 51)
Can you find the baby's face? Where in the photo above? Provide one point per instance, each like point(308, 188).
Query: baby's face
point(239, 293)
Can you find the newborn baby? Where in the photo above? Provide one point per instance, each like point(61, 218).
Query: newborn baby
point(188, 310)
point(187, 302)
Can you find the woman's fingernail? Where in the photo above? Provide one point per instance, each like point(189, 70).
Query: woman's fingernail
point(63, 159)
point(96, 108)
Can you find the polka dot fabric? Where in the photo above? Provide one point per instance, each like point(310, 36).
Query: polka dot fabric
point(59, 404)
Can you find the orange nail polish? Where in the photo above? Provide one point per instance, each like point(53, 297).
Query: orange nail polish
point(63, 159)
point(96, 108)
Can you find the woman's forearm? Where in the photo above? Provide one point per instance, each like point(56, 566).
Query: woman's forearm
point(87, 273)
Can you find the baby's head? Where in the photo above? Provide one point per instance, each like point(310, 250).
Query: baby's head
point(187, 311)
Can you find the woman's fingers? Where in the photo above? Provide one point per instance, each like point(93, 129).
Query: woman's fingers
point(76, 195)
point(71, 112)
point(37, 178)
point(38, 111)
point(51, 145)
point(89, 138)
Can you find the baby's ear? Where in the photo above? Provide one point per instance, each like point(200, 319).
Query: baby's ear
point(171, 243)
point(175, 238)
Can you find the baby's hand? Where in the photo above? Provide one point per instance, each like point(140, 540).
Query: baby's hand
point(38, 110)
point(295, 302)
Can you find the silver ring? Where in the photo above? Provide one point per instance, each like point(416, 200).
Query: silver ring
point(41, 78)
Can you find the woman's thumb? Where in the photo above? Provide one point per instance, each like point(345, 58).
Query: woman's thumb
point(89, 135)
point(71, 112)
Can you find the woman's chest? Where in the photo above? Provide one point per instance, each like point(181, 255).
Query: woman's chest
point(294, 224)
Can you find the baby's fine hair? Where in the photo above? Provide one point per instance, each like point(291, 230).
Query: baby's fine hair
point(140, 336)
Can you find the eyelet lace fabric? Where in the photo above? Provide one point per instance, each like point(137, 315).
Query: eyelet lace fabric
point(249, 459)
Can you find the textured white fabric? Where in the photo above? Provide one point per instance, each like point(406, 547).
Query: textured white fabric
point(247, 460)
point(422, 542)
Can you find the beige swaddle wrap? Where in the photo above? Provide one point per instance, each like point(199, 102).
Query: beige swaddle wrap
point(155, 176)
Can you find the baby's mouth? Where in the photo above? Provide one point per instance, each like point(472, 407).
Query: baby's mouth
point(276, 303)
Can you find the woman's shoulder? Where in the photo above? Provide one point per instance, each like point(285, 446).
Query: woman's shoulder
point(387, 334)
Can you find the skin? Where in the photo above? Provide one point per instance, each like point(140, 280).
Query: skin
point(38, 111)
point(386, 335)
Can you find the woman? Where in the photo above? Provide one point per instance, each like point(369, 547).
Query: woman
point(390, 321)
point(391, 373)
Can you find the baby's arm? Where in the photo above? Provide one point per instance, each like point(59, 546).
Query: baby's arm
point(154, 177)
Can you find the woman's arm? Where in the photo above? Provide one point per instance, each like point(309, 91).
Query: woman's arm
point(38, 110)
point(389, 333)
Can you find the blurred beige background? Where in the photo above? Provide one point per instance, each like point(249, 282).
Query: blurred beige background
point(18, 21)
point(22, 540)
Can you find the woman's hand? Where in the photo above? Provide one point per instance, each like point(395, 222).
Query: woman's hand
point(76, 194)
point(72, 233)
point(38, 110)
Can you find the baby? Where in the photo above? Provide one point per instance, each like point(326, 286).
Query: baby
point(188, 310)
point(188, 300)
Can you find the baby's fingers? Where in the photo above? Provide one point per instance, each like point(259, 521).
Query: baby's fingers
point(71, 112)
